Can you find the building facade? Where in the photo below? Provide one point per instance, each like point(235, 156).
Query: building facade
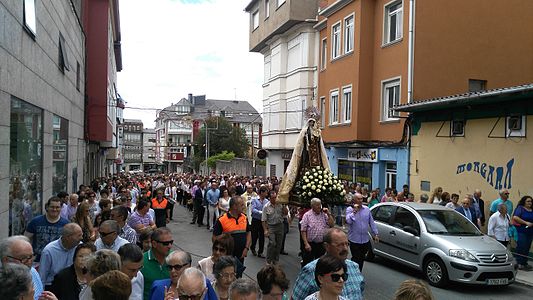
point(42, 83)
point(282, 31)
point(375, 55)
point(178, 124)
point(132, 145)
point(148, 150)
point(104, 105)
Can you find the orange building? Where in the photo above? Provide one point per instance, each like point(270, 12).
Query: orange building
point(375, 54)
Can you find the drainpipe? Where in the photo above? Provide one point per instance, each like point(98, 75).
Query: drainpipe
point(411, 50)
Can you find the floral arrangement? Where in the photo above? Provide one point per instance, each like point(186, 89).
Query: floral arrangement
point(320, 183)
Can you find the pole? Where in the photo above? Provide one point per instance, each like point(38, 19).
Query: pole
point(206, 148)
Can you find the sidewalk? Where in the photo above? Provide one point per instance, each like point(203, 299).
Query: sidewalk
point(524, 277)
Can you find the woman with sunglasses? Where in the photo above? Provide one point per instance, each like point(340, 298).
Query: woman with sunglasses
point(330, 276)
point(222, 245)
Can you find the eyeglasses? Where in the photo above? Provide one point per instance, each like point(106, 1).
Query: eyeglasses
point(176, 267)
point(336, 277)
point(104, 234)
point(165, 243)
point(191, 297)
point(23, 260)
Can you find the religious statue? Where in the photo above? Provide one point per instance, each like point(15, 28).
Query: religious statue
point(309, 152)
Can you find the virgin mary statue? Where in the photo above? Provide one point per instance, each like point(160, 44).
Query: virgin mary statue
point(309, 152)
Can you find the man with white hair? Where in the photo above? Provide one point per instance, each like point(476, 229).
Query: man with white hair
point(313, 225)
point(244, 289)
point(17, 249)
point(69, 209)
point(504, 198)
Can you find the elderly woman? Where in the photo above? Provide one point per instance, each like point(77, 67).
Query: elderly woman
point(68, 283)
point(523, 218)
point(225, 271)
point(177, 262)
point(499, 225)
point(99, 263)
point(273, 283)
point(330, 275)
point(15, 282)
point(222, 245)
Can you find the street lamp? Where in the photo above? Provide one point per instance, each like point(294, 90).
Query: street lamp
point(207, 142)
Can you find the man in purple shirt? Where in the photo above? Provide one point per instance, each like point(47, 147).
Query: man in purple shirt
point(359, 220)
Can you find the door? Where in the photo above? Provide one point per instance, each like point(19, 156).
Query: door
point(406, 236)
point(382, 216)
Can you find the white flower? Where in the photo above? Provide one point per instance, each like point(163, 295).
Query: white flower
point(306, 180)
point(304, 187)
point(318, 190)
point(343, 193)
point(310, 176)
point(313, 187)
point(319, 171)
point(307, 173)
point(330, 182)
point(310, 194)
point(319, 176)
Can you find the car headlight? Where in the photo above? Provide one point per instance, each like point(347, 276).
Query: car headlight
point(463, 254)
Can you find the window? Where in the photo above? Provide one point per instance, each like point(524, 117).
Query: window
point(255, 20)
point(323, 112)
point(348, 34)
point(280, 2)
point(384, 213)
point(272, 170)
point(59, 154)
point(323, 54)
point(335, 40)
point(346, 104)
point(78, 75)
point(475, 85)
point(30, 20)
point(63, 57)
point(391, 97)
point(294, 56)
point(267, 8)
point(457, 128)
point(393, 22)
point(334, 108)
point(390, 175)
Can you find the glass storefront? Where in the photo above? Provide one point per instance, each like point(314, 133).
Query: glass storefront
point(25, 164)
point(356, 172)
point(60, 154)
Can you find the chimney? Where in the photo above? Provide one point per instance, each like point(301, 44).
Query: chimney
point(190, 98)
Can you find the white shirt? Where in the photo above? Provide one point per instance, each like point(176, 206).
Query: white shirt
point(499, 227)
point(119, 242)
point(137, 287)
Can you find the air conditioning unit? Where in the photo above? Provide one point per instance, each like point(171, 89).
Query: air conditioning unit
point(458, 128)
point(514, 123)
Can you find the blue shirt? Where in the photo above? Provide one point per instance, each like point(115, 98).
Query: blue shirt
point(257, 208)
point(305, 284)
point(37, 283)
point(158, 290)
point(213, 196)
point(44, 232)
point(495, 203)
point(54, 258)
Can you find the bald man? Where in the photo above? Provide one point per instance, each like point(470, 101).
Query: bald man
point(59, 254)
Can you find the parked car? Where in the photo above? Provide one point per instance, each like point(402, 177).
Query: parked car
point(442, 243)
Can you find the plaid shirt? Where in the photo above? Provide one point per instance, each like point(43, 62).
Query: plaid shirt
point(306, 285)
point(314, 225)
point(128, 234)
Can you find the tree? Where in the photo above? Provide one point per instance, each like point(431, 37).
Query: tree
point(223, 136)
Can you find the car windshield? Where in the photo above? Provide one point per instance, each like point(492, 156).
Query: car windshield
point(447, 222)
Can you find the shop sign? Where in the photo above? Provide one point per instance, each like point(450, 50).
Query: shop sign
point(286, 154)
point(363, 154)
point(497, 177)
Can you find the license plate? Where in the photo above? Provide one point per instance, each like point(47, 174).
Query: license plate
point(497, 281)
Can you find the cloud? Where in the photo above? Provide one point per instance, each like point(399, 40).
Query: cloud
point(174, 47)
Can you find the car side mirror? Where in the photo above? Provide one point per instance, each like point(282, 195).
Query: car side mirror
point(411, 230)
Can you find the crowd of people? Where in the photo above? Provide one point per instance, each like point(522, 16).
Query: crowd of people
point(110, 240)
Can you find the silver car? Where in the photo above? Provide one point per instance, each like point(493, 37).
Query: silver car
point(442, 243)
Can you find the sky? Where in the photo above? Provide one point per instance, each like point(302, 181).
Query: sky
point(171, 48)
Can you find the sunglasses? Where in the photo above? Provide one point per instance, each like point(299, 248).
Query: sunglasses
point(336, 277)
point(165, 243)
point(176, 267)
point(104, 234)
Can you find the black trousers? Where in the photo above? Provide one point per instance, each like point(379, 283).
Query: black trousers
point(198, 213)
point(359, 253)
point(258, 233)
point(171, 209)
point(285, 231)
point(317, 250)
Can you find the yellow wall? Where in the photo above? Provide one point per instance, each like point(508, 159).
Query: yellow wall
point(436, 159)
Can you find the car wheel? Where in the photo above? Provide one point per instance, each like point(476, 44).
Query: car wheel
point(435, 272)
